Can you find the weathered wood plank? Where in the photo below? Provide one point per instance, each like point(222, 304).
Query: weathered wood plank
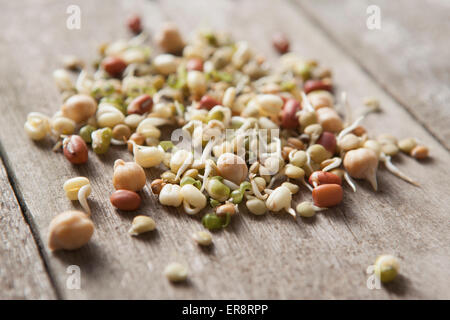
point(408, 56)
point(22, 272)
point(265, 257)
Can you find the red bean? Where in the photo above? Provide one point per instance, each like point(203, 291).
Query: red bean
point(75, 149)
point(289, 119)
point(313, 85)
point(125, 200)
point(207, 102)
point(327, 195)
point(134, 24)
point(281, 43)
point(114, 66)
point(140, 105)
point(328, 141)
point(321, 177)
point(194, 64)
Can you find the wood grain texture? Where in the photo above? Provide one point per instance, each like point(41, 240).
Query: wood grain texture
point(22, 272)
point(256, 257)
point(408, 56)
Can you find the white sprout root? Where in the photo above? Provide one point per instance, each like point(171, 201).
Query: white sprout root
point(348, 110)
point(335, 164)
point(396, 171)
point(82, 198)
point(188, 209)
point(186, 164)
point(116, 142)
point(350, 128)
point(206, 175)
point(350, 181)
point(318, 209)
point(230, 184)
point(308, 106)
point(291, 212)
point(256, 190)
point(303, 182)
point(57, 145)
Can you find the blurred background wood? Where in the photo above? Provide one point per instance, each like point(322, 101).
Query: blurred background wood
point(270, 257)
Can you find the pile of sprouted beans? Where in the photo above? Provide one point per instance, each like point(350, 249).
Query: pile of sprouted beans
point(243, 135)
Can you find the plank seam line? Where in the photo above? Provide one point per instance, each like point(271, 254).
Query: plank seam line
point(29, 220)
point(315, 22)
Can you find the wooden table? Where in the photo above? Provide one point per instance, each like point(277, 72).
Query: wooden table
point(405, 65)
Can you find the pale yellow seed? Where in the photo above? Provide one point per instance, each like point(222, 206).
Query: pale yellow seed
point(406, 145)
point(176, 272)
point(294, 172)
point(389, 149)
point(291, 186)
point(202, 238)
point(305, 209)
point(72, 186)
point(141, 224)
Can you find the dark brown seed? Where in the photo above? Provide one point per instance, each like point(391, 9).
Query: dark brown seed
point(125, 200)
point(114, 66)
point(194, 64)
point(134, 24)
point(207, 102)
point(313, 85)
point(140, 105)
point(75, 149)
point(281, 43)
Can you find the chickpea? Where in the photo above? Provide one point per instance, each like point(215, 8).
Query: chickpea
point(121, 132)
point(170, 39)
point(329, 119)
point(349, 142)
point(406, 145)
point(362, 163)
point(128, 176)
point(79, 107)
point(70, 230)
point(318, 153)
point(232, 167)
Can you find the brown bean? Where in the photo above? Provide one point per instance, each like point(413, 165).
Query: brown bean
point(134, 24)
point(289, 119)
point(225, 209)
point(138, 138)
point(125, 200)
point(157, 185)
point(207, 102)
point(318, 178)
point(327, 195)
point(280, 43)
point(140, 104)
point(328, 141)
point(313, 85)
point(295, 143)
point(194, 64)
point(75, 149)
point(419, 152)
point(114, 66)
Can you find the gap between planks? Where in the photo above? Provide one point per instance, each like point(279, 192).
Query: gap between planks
point(29, 221)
